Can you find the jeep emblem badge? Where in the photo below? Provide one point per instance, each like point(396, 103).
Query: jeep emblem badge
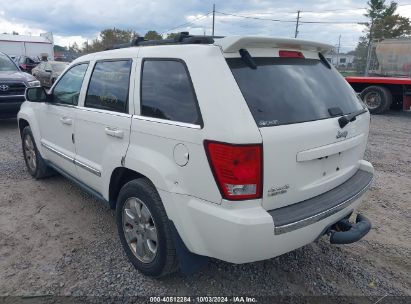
point(341, 134)
point(4, 87)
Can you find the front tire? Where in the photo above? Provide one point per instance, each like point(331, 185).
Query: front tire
point(35, 163)
point(144, 229)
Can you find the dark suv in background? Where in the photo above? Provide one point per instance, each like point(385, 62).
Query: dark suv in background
point(13, 84)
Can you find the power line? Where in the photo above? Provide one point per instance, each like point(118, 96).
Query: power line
point(335, 10)
point(186, 23)
point(256, 18)
point(290, 21)
point(249, 16)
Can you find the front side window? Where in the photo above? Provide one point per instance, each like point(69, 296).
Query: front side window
point(167, 92)
point(67, 90)
point(108, 88)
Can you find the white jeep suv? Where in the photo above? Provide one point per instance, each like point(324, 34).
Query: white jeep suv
point(236, 148)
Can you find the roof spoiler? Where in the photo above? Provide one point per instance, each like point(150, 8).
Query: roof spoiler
point(233, 44)
point(181, 38)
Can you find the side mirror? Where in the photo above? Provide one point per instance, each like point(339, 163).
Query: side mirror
point(37, 94)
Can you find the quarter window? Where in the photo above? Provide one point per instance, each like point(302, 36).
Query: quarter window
point(67, 90)
point(167, 92)
point(108, 88)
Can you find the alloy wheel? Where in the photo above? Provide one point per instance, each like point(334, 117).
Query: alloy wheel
point(140, 230)
point(30, 153)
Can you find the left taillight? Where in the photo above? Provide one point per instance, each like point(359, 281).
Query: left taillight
point(237, 169)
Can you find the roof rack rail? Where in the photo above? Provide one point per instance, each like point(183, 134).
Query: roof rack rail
point(180, 38)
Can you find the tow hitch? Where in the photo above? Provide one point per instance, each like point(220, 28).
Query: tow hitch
point(344, 232)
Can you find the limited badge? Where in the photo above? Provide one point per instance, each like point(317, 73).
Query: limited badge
point(278, 190)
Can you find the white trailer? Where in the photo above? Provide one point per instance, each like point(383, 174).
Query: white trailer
point(32, 46)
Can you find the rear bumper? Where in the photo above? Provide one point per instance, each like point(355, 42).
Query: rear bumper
point(302, 214)
point(245, 232)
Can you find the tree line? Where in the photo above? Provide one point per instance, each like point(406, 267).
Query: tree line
point(383, 23)
point(107, 39)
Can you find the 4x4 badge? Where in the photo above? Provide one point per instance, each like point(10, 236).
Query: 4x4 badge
point(342, 134)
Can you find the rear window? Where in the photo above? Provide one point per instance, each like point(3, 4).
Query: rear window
point(292, 90)
point(167, 92)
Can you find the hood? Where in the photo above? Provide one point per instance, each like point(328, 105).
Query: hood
point(16, 76)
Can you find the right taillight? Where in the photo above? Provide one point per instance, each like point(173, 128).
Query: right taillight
point(237, 169)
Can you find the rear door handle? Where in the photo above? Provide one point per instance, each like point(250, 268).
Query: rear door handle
point(66, 121)
point(114, 132)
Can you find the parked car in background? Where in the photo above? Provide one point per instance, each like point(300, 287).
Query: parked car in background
point(47, 72)
point(26, 64)
point(13, 83)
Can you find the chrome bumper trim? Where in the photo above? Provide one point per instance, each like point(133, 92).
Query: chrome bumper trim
point(319, 216)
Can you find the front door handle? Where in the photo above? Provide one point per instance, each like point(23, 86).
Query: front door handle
point(66, 121)
point(114, 132)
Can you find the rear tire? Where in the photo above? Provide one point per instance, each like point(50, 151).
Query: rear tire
point(377, 99)
point(36, 165)
point(144, 229)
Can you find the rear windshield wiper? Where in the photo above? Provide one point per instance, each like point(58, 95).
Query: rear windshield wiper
point(248, 60)
point(346, 119)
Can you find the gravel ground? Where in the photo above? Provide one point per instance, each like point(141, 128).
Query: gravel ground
point(55, 239)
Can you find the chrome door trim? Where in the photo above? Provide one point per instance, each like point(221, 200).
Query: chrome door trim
point(167, 122)
point(71, 159)
point(87, 167)
point(61, 154)
point(11, 96)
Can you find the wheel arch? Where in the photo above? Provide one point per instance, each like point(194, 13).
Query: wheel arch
point(119, 177)
point(22, 124)
point(26, 117)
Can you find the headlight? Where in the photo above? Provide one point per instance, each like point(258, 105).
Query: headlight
point(34, 83)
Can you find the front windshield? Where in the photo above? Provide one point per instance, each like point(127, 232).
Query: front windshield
point(6, 64)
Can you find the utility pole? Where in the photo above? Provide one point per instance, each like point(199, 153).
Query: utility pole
point(338, 50)
point(296, 26)
point(212, 34)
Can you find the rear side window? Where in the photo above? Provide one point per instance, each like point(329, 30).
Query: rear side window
point(167, 92)
point(292, 90)
point(108, 87)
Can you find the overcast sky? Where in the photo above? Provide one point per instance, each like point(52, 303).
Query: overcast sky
point(79, 20)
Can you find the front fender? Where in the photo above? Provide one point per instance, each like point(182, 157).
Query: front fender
point(27, 113)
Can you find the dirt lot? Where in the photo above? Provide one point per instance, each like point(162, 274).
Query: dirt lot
point(55, 239)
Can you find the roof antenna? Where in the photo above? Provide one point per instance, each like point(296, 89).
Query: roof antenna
point(245, 55)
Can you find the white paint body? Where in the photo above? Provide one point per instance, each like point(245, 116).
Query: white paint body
point(239, 231)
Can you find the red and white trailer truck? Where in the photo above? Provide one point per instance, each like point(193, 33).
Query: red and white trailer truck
point(381, 93)
point(393, 86)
